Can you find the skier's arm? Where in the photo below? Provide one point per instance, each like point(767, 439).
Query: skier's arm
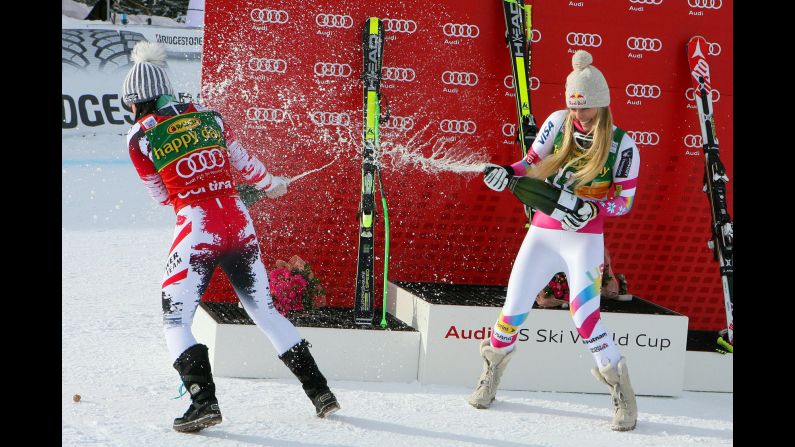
point(625, 179)
point(144, 166)
point(543, 144)
point(253, 170)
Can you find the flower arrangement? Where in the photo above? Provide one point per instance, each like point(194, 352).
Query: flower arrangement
point(294, 286)
point(556, 293)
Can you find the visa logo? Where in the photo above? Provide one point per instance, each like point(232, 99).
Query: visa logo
point(545, 133)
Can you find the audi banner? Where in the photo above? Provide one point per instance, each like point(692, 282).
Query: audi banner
point(287, 75)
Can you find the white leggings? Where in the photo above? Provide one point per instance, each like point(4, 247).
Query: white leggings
point(211, 233)
point(543, 253)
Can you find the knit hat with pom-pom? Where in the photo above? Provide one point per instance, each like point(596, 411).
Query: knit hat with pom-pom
point(586, 87)
point(147, 78)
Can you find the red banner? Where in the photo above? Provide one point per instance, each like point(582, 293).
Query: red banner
point(285, 74)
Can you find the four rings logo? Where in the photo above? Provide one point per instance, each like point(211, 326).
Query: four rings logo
point(330, 118)
point(690, 94)
point(705, 4)
point(401, 123)
point(199, 162)
point(269, 16)
point(398, 74)
point(509, 130)
point(323, 69)
point(460, 30)
point(535, 35)
point(644, 44)
point(399, 26)
point(693, 141)
point(584, 39)
point(267, 65)
point(645, 138)
point(459, 78)
point(458, 126)
point(647, 2)
point(334, 21)
point(643, 91)
point(535, 83)
point(265, 114)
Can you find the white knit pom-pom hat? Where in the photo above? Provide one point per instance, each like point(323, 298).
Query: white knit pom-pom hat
point(586, 86)
point(147, 78)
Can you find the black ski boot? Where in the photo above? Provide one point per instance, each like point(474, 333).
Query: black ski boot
point(193, 367)
point(302, 364)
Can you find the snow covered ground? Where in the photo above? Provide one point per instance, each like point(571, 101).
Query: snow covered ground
point(115, 240)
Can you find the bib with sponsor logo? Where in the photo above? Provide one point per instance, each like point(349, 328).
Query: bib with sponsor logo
point(177, 137)
point(598, 187)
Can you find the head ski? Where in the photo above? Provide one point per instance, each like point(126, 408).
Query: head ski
point(373, 51)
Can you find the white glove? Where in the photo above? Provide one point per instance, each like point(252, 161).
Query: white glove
point(277, 188)
point(575, 220)
point(496, 177)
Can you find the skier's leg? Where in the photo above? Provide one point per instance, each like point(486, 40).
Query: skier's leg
point(584, 254)
point(191, 261)
point(535, 263)
point(246, 271)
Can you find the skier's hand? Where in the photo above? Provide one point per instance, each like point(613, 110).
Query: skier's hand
point(583, 213)
point(277, 188)
point(496, 177)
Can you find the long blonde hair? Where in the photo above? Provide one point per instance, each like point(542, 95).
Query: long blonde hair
point(587, 163)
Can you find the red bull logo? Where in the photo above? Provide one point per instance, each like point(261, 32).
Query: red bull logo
point(576, 99)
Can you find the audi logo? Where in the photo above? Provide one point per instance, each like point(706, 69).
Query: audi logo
point(644, 44)
point(398, 74)
point(509, 130)
point(399, 25)
point(535, 83)
point(690, 94)
point(459, 78)
point(265, 114)
point(324, 69)
point(643, 91)
point(334, 21)
point(533, 35)
point(200, 161)
point(584, 39)
point(714, 49)
point(269, 16)
point(330, 118)
point(693, 141)
point(705, 4)
point(401, 123)
point(458, 126)
point(645, 138)
point(267, 65)
point(460, 30)
point(647, 2)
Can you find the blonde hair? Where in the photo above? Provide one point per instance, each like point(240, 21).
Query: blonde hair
point(587, 163)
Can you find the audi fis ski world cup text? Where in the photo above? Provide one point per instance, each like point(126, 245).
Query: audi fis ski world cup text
point(640, 340)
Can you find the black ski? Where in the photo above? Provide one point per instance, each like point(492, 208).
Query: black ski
point(373, 51)
point(715, 178)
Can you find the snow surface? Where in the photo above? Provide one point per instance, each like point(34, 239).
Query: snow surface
point(114, 244)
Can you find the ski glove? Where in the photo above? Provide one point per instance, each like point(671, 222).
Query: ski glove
point(277, 188)
point(496, 177)
point(583, 213)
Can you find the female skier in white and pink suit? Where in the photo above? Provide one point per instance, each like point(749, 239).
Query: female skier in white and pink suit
point(580, 151)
